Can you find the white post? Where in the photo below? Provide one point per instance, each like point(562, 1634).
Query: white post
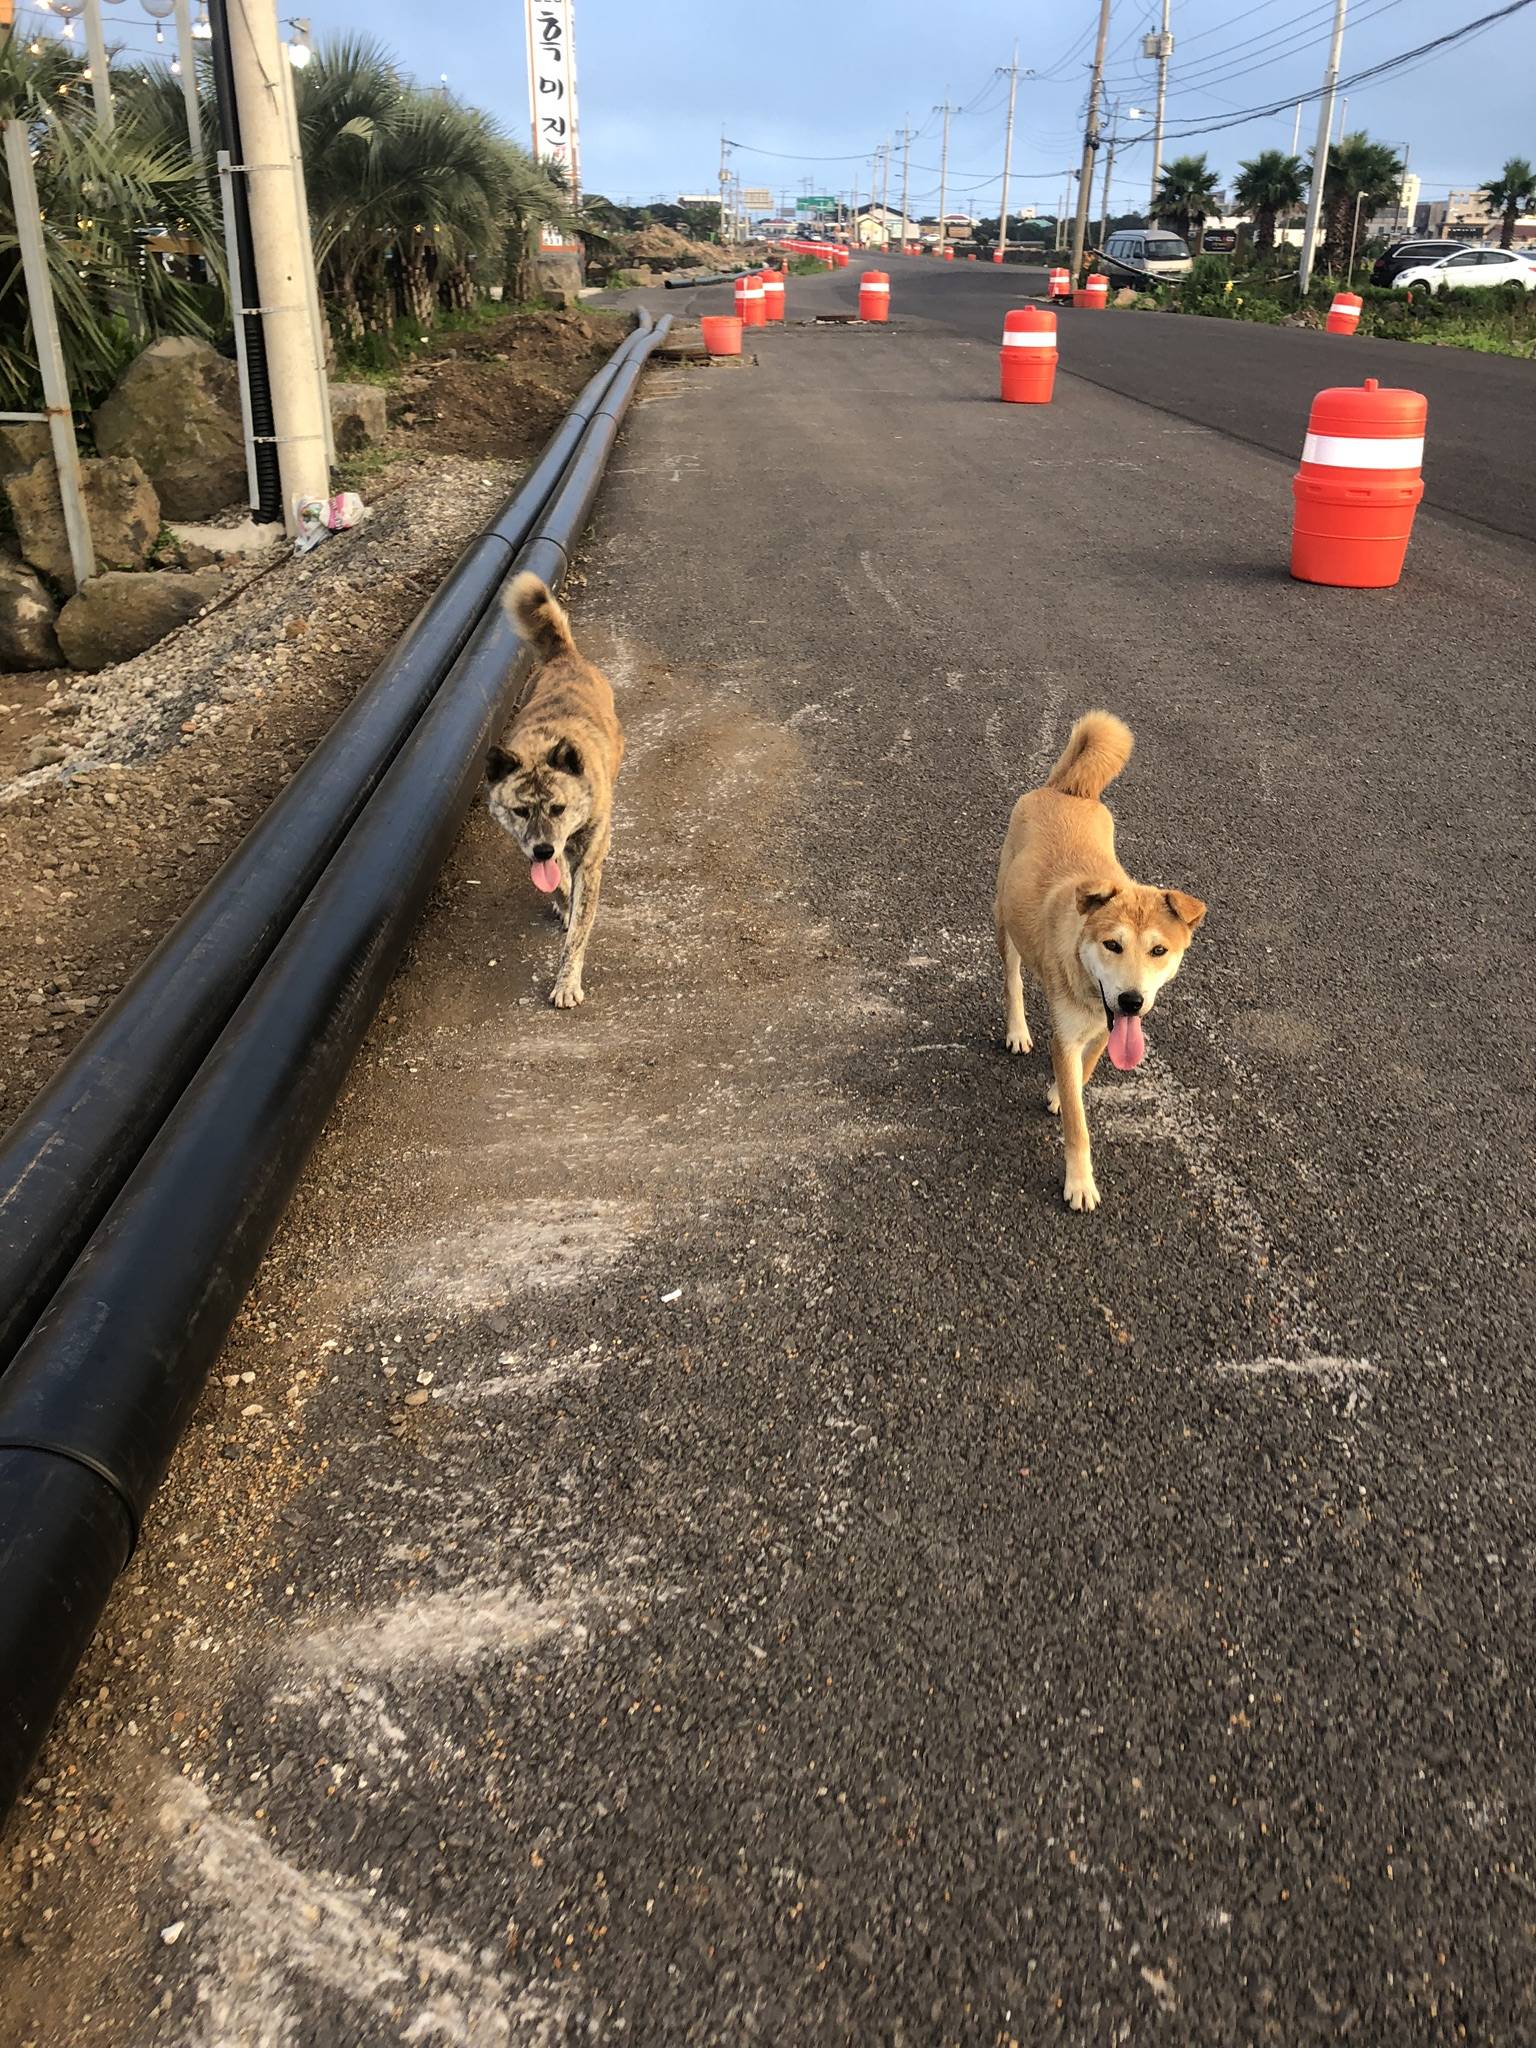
point(944, 176)
point(101, 82)
point(297, 377)
point(237, 299)
point(1002, 216)
point(50, 356)
point(186, 56)
point(906, 162)
point(311, 280)
point(1320, 157)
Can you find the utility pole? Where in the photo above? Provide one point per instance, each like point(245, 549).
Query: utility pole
point(186, 56)
point(853, 213)
point(1296, 130)
point(946, 110)
point(1109, 168)
point(1320, 156)
point(885, 193)
point(724, 146)
point(278, 290)
point(101, 83)
point(1002, 218)
point(1091, 143)
point(906, 164)
point(1164, 52)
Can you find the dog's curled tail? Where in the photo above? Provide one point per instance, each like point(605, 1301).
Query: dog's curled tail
point(538, 617)
point(1098, 749)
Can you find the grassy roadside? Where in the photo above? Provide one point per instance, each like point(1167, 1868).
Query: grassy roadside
point(1496, 321)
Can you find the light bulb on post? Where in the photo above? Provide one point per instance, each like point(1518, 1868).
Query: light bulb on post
point(202, 28)
point(299, 51)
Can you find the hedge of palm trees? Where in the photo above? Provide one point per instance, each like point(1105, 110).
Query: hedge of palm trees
point(418, 204)
point(1360, 174)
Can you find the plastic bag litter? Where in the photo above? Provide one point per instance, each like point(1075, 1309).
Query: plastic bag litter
point(319, 516)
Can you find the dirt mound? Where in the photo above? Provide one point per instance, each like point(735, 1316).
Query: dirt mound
point(664, 245)
point(500, 390)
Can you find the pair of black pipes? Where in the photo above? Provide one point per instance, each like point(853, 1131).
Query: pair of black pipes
point(276, 987)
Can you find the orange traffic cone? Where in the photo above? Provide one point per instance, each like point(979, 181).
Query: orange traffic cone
point(1358, 486)
point(1029, 357)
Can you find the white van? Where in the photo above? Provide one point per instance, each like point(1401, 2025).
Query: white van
point(1134, 253)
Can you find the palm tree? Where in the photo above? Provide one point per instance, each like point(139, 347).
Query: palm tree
point(1185, 195)
point(1269, 186)
point(101, 198)
point(1360, 173)
point(1512, 193)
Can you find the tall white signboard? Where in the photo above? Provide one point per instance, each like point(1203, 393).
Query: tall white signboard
point(552, 95)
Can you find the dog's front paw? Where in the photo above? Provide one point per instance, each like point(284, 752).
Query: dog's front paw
point(1053, 1099)
point(1081, 1190)
point(1020, 1040)
point(565, 995)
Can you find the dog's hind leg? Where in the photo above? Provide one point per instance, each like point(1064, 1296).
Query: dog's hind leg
point(586, 882)
point(1016, 1025)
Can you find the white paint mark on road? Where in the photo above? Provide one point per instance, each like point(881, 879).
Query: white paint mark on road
point(881, 586)
point(438, 1628)
point(522, 1374)
point(1049, 740)
point(511, 1249)
point(257, 1923)
point(1317, 1365)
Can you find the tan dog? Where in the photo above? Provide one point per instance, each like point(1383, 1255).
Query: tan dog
point(1099, 944)
point(553, 771)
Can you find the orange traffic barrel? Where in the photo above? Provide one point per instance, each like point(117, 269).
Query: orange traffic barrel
point(750, 307)
point(1029, 356)
point(997, 255)
point(773, 295)
point(1358, 486)
point(1344, 315)
point(722, 334)
point(1060, 286)
point(1096, 292)
point(875, 295)
point(949, 255)
point(842, 259)
point(970, 255)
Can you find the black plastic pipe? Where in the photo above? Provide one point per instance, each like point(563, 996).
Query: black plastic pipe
point(64, 1160)
point(97, 1399)
point(269, 483)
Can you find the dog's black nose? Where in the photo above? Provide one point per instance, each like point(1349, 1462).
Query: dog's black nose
point(1131, 1001)
point(544, 851)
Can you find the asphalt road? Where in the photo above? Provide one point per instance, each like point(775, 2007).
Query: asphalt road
point(822, 1590)
point(1257, 383)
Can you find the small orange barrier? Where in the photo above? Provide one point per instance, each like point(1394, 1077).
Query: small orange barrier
point(722, 334)
point(1029, 357)
point(1344, 313)
point(1060, 285)
point(875, 295)
point(1358, 486)
point(773, 296)
point(750, 308)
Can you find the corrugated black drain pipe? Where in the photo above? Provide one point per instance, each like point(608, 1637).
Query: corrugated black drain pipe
point(97, 1398)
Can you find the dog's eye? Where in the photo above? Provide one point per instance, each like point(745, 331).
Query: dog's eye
point(1113, 946)
point(1158, 952)
point(519, 810)
point(557, 810)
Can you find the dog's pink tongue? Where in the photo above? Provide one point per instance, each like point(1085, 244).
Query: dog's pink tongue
point(1127, 1043)
point(546, 876)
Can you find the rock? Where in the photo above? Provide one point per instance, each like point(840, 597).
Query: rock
point(357, 416)
point(120, 505)
point(177, 409)
point(1127, 295)
point(117, 616)
point(21, 446)
point(27, 613)
point(557, 277)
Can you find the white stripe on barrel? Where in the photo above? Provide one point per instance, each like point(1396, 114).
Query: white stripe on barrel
point(1344, 451)
point(866, 286)
point(1012, 340)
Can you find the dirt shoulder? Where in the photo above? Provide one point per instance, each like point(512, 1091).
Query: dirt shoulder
point(157, 767)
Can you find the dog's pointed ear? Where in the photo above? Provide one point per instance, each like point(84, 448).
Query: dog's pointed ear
point(1094, 895)
point(565, 756)
point(1189, 909)
point(499, 764)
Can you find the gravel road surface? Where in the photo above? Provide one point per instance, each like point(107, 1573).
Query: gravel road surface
point(709, 1550)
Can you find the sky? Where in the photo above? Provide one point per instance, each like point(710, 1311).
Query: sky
point(807, 92)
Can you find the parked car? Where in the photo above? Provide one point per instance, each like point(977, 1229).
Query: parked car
point(1410, 255)
point(1133, 254)
point(1471, 267)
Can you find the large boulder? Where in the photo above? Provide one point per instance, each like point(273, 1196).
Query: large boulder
point(22, 445)
point(358, 416)
point(120, 507)
point(115, 616)
point(27, 613)
point(177, 409)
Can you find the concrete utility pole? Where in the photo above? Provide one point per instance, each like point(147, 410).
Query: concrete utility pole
point(1002, 216)
point(1090, 144)
point(1164, 52)
point(906, 164)
point(723, 174)
point(1320, 156)
point(186, 56)
point(299, 396)
point(1109, 168)
point(101, 82)
point(946, 110)
point(885, 192)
